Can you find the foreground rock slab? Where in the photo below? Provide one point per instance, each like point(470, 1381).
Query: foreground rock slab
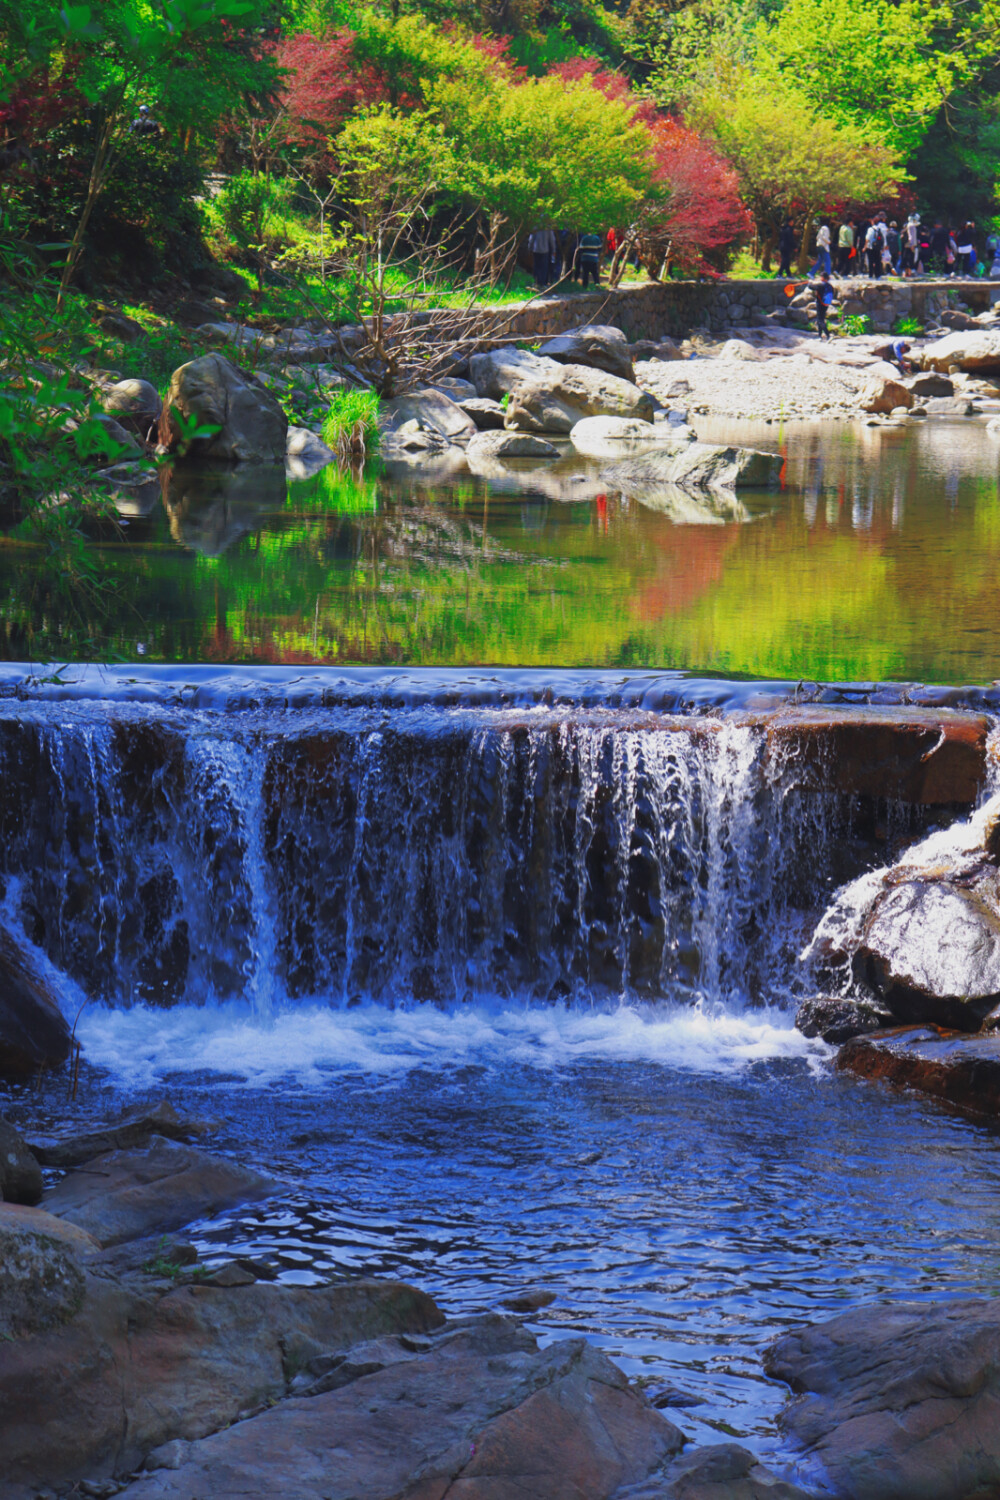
point(898, 1402)
point(127, 1195)
point(483, 1414)
point(135, 1129)
point(963, 1070)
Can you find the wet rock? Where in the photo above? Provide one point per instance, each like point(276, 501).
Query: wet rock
point(486, 414)
point(432, 410)
point(883, 394)
point(949, 406)
point(509, 445)
point(556, 402)
point(136, 405)
point(955, 318)
point(253, 428)
point(724, 1471)
point(483, 1415)
point(975, 349)
point(963, 1070)
point(135, 1369)
point(20, 1174)
point(836, 1020)
point(928, 383)
point(41, 1282)
point(306, 453)
point(598, 347)
point(135, 1129)
point(128, 1194)
point(33, 1030)
point(698, 465)
point(532, 1299)
point(898, 1402)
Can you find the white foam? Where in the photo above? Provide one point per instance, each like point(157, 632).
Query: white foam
point(306, 1044)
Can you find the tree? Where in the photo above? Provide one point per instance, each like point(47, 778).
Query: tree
point(701, 212)
point(786, 153)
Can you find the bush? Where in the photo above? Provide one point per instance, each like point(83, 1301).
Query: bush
point(856, 324)
point(908, 327)
point(351, 424)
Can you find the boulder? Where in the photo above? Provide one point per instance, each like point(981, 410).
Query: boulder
point(147, 1362)
point(974, 349)
point(723, 1471)
point(120, 326)
point(898, 1401)
point(456, 390)
point(129, 1194)
point(664, 349)
point(432, 410)
point(486, 414)
point(482, 1414)
point(949, 406)
point(135, 1129)
point(20, 1173)
point(19, 1216)
point(618, 437)
point(697, 465)
point(598, 347)
point(739, 349)
point(509, 445)
point(135, 405)
point(306, 453)
point(41, 1283)
point(955, 318)
point(963, 1070)
point(883, 394)
point(929, 383)
point(496, 373)
point(557, 404)
point(34, 1032)
point(836, 1020)
point(253, 429)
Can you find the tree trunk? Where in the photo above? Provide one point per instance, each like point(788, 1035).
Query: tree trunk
point(803, 264)
point(768, 250)
point(98, 176)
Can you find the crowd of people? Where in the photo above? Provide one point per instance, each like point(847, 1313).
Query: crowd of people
point(564, 255)
point(879, 247)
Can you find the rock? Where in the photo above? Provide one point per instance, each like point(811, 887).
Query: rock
point(136, 406)
point(456, 390)
point(532, 1299)
point(332, 1372)
point(19, 1216)
point(41, 1284)
point(954, 318)
point(949, 406)
point(739, 349)
point(120, 326)
point(34, 1032)
point(962, 1069)
point(723, 1471)
point(975, 349)
point(497, 372)
point(899, 1401)
point(557, 403)
point(128, 1194)
point(231, 1274)
point(119, 445)
point(210, 390)
point(306, 453)
point(663, 350)
point(618, 437)
point(486, 414)
point(883, 395)
point(20, 1174)
point(509, 445)
point(698, 465)
point(836, 1020)
point(928, 383)
point(484, 1415)
point(598, 347)
point(137, 1367)
point(432, 410)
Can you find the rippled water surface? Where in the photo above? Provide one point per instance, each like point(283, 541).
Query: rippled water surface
point(877, 559)
point(687, 1185)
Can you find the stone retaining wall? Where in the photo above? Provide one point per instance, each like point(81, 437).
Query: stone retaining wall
point(675, 309)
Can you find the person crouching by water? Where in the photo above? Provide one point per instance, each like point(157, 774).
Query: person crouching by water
point(824, 295)
point(895, 354)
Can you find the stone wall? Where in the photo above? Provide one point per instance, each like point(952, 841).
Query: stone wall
point(675, 309)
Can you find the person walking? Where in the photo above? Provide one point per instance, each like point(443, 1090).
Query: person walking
point(786, 248)
point(824, 295)
point(543, 247)
point(911, 239)
point(823, 250)
point(873, 259)
point(590, 258)
point(845, 244)
point(895, 245)
point(967, 249)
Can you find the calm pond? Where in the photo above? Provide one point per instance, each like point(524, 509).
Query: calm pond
point(878, 559)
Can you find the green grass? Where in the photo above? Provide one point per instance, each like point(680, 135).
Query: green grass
point(351, 425)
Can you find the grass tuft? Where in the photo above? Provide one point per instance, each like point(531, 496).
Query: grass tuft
point(350, 427)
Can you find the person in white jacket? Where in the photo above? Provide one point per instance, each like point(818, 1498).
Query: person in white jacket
point(823, 262)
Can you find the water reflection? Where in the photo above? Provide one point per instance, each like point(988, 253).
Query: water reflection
point(877, 559)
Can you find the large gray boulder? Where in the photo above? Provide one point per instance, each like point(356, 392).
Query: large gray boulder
point(898, 1402)
point(487, 415)
point(500, 371)
point(509, 445)
point(253, 429)
point(556, 402)
point(597, 346)
point(696, 466)
point(972, 349)
point(135, 405)
point(479, 1412)
point(34, 1033)
point(432, 410)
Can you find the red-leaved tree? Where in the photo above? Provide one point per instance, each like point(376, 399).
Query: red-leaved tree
point(324, 83)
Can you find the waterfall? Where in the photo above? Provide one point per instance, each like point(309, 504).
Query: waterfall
point(160, 855)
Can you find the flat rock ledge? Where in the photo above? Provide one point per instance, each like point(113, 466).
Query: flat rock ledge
point(962, 1070)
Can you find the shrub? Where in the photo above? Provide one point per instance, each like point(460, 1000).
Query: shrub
point(351, 424)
